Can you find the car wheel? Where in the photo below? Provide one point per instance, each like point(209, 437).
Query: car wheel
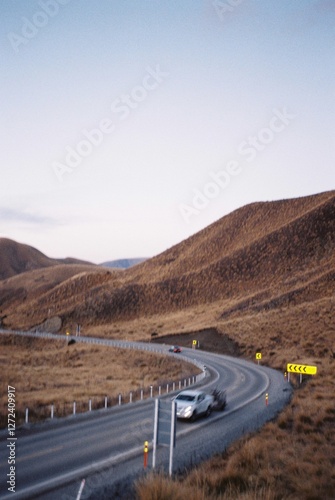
point(208, 411)
point(194, 416)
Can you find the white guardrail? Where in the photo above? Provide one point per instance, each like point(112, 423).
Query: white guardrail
point(121, 344)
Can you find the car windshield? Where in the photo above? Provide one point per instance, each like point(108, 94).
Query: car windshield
point(185, 397)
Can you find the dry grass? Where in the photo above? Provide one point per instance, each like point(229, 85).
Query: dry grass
point(292, 458)
point(46, 372)
point(263, 276)
point(260, 257)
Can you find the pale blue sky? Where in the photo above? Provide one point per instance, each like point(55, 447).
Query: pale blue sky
point(202, 108)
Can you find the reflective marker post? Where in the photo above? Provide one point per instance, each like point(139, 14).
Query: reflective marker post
point(145, 456)
point(82, 484)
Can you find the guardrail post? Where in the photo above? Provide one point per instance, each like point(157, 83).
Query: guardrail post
point(130, 397)
point(174, 386)
point(74, 407)
point(90, 405)
point(52, 411)
point(141, 394)
point(185, 382)
point(120, 399)
point(159, 390)
point(167, 388)
point(27, 416)
point(106, 402)
point(81, 487)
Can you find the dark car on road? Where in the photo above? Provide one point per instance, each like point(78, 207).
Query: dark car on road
point(175, 348)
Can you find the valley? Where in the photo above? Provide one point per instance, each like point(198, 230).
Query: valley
point(260, 279)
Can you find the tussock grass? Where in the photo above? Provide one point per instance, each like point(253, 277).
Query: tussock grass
point(290, 458)
point(263, 276)
point(294, 456)
point(46, 372)
point(260, 257)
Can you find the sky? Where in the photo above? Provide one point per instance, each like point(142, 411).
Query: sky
point(128, 126)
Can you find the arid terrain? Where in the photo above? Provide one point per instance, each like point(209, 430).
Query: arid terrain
point(46, 372)
point(260, 279)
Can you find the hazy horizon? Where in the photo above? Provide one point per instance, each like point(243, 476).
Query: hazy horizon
point(130, 126)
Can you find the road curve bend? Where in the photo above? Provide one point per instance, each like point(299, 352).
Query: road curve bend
point(106, 447)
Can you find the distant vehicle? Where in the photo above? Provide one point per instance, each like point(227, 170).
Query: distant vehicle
point(175, 348)
point(193, 404)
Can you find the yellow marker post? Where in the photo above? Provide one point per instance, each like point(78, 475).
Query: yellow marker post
point(145, 456)
point(258, 356)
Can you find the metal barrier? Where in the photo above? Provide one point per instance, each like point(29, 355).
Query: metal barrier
point(94, 403)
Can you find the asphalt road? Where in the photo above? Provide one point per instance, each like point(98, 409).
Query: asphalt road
point(106, 447)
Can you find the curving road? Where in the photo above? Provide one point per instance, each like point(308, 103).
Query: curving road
point(106, 447)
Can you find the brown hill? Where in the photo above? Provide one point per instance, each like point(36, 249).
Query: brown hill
point(17, 258)
point(258, 280)
point(261, 257)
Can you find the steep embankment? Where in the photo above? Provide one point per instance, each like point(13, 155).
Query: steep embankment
point(291, 259)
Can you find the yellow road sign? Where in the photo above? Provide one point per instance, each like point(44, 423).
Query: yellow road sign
point(258, 355)
point(303, 369)
point(195, 342)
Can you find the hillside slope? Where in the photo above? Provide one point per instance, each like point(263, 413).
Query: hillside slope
point(234, 232)
point(17, 258)
point(260, 257)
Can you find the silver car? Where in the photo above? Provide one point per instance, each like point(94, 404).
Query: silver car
point(191, 404)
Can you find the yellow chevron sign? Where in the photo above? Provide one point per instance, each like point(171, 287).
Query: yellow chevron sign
point(258, 355)
point(303, 369)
